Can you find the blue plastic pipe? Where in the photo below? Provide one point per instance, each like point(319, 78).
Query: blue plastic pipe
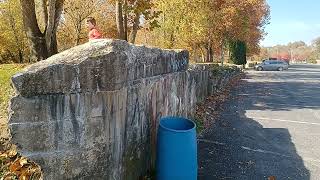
point(176, 149)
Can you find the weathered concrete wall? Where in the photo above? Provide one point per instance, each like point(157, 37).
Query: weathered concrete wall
point(92, 112)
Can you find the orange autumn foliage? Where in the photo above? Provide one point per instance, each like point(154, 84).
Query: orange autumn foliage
point(208, 26)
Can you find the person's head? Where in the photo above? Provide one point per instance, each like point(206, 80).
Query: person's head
point(91, 22)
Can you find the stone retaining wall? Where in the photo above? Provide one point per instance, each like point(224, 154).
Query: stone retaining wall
point(91, 112)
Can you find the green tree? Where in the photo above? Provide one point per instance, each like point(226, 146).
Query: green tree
point(238, 52)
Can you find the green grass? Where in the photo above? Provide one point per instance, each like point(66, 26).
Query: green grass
point(6, 71)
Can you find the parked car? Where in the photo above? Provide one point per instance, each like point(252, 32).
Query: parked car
point(276, 59)
point(272, 65)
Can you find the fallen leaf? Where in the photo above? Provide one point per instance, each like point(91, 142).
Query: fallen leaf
point(23, 161)
point(12, 153)
point(271, 178)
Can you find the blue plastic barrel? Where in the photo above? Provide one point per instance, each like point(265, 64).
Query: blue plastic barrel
point(176, 149)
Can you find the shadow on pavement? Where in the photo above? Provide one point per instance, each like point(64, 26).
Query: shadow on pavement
point(238, 147)
point(283, 92)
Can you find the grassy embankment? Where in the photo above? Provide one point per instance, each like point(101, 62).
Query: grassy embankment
point(6, 71)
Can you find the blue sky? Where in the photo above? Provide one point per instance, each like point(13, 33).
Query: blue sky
point(292, 20)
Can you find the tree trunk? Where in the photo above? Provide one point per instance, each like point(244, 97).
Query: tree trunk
point(54, 13)
point(42, 45)
point(20, 56)
point(38, 48)
point(209, 52)
point(125, 20)
point(203, 59)
point(78, 32)
point(37, 41)
point(134, 30)
point(119, 19)
point(172, 39)
point(222, 52)
point(44, 12)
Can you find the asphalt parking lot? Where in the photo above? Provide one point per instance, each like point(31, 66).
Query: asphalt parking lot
point(270, 127)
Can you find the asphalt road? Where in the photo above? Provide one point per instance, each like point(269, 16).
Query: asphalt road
point(270, 127)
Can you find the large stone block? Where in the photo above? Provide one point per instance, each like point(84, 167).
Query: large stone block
point(101, 65)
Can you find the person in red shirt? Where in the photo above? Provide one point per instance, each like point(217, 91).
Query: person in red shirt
point(93, 31)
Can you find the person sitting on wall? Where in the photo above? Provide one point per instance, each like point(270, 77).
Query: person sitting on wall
point(93, 31)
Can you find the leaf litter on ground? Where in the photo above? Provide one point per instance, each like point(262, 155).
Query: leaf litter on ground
point(208, 112)
point(15, 166)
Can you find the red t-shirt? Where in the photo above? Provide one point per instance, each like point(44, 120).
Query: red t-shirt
point(94, 34)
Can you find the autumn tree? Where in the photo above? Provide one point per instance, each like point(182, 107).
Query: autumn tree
point(73, 29)
point(246, 24)
point(76, 13)
point(185, 24)
point(203, 27)
point(293, 51)
point(296, 44)
point(128, 16)
point(42, 43)
point(206, 27)
point(12, 36)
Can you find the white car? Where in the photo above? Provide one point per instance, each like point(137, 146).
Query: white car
point(272, 65)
